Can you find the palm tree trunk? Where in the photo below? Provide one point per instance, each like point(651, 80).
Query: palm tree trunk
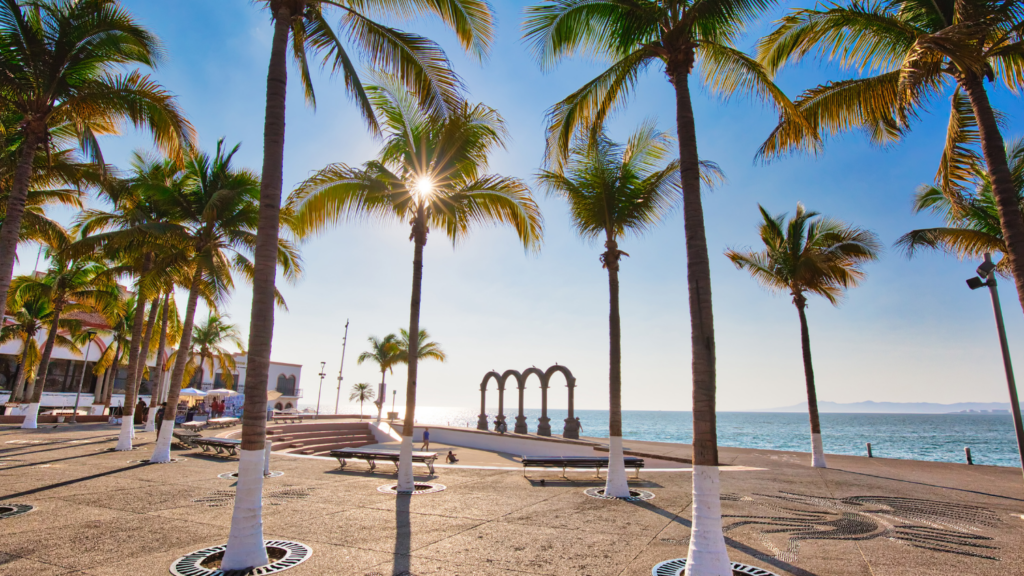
point(245, 547)
point(124, 439)
point(817, 450)
point(162, 450)
point(1010, 219)
point(115, 367)
point(158, 390)
point(707, 555)
point(18, 392)
point(143, 357)
point(405, 473)
point(35, 134)
point(380, 408)
point(97, 393)
point(32, 415)
point(615, 484)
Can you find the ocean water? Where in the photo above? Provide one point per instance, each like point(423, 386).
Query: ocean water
point(936, 437)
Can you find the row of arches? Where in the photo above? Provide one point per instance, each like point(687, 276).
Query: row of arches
point(571, 429)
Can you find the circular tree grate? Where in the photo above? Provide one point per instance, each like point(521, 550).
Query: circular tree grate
point(294, 554)
point(171, 461)
point(234, 475)
point(420, 489)
point(677, 567)
point(113, 450)
point(12, 510)
point(634, 495)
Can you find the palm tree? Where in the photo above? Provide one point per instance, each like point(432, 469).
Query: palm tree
point(972, 218)
point(216, 209)
point(210, 338)
point(614, 189)
point(31, 316)
point(809, 255)
point(361, 392)
point(678, 34)
point(170, 333)
point(59, 61)
point(70, 285)
point(429, 173)
point(426, 349)
point(911, 52)
point(135, 236)
point(423, 67)
point(385, 353)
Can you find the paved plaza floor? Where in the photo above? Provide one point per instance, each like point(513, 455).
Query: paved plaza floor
point(98, 513)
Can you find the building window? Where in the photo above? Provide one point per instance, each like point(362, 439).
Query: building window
point(278, 406)
point(286, 385)
point(218, 381)
point(288, 406)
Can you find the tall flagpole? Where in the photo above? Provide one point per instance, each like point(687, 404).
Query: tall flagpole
point(344, 344)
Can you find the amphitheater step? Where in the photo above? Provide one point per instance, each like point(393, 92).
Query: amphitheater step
point(299, 436)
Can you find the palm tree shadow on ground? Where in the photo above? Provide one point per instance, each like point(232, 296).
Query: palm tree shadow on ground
point(403, 536)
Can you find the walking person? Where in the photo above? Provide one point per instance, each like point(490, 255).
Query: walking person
point(426, 439)
point(579, 426)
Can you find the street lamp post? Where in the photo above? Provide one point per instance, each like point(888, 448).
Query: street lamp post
point(986, 271)
point(85, 364)
point(393, 394)
point(320, 393)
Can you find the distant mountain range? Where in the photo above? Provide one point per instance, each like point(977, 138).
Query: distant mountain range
point(896, 407)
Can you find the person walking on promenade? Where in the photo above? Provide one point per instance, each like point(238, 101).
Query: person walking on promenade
point(426, 439)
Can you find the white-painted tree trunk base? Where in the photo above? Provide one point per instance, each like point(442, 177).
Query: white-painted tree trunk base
point(162, 450)
point(150, 423)
point(266, 457)
point(707, 555)
point(406, 483)
point(31, 417)
point(245, 542)
point(817, 452)
point(124, 438)
point(616, 485)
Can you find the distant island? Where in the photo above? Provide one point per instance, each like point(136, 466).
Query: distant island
point(900, 408)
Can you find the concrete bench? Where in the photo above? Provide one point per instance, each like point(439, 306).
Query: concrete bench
point(195, 426)
point(219, 445)
point(564, 462)
point(288, 419)
point(371, 457)
point(185, 437)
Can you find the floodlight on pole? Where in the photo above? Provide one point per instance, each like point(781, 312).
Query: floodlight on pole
point(344, 344)
point(320, 393)
point(986, 277)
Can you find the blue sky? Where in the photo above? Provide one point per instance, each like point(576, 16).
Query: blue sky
point(912, 332)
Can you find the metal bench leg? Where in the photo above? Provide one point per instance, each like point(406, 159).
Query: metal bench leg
point(430, 466)
point(372, 463)
point(637, 473)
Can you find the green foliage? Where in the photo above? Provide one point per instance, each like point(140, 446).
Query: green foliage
point(419, 63)
point(449, 152)
point(361, 392)
point(427, 349)
point(972, 226)
point(910, 52)
point(809, 253)
point(61, 64)
point(634, 35)
point(384, 352)
point(613, 188)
